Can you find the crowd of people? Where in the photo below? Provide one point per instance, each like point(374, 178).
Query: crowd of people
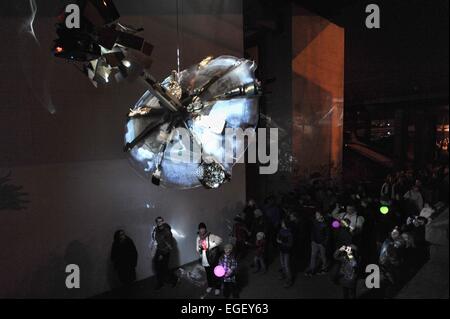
point(323, 227)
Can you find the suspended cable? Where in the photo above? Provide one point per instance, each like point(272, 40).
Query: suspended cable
point(178, 39)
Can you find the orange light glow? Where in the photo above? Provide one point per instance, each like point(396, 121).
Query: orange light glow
point(317, 94)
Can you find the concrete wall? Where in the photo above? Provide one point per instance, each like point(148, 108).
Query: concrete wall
point(431, 281)
point(62, 139)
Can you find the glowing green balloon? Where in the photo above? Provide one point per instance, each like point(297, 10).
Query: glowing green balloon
point(384, 210)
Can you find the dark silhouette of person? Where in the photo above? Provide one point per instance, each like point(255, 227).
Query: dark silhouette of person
point(124, 257)
point(249, 213)
point(242, 234)
point(162, 236)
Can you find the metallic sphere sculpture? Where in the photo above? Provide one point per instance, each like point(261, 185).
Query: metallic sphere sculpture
point(182, 131)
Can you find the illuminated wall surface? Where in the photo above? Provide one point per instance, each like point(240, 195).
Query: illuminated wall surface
point(317, 94)
point(62, 140)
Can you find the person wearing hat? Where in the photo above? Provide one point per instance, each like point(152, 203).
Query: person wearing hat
point(208, 247)
point(229, 262)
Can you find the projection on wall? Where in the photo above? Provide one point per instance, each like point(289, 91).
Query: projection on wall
point(182, 132)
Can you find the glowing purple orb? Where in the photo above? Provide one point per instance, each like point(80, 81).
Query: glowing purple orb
point(219, 271)
point(335, 224)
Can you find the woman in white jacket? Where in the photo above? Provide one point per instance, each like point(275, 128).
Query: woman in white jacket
point(208, 247)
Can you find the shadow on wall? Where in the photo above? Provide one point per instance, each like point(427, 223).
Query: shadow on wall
point(175, 255)
point(49, 280)
point(11, 196)
point(227, 215)
point(77, 253)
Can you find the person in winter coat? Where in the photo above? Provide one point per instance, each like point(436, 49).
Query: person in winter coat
point(285, 242)
point(391, 259)
point(163, 238)
point(229, 263)
point(351, 222)
point(208, 247)
point(347, 276)
point(320, 235)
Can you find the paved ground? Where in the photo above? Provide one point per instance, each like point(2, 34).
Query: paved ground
point(430, 282)
point(254, 286)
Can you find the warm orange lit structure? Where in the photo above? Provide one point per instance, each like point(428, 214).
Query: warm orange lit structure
point(317, 95)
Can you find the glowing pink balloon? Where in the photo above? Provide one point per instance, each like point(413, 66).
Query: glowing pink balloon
point(336, 224)
point(219, 271)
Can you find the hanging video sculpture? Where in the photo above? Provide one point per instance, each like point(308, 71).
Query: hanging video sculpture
point(180, 132)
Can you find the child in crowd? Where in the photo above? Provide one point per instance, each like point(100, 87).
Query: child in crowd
point(260, 253)
point(229, 263)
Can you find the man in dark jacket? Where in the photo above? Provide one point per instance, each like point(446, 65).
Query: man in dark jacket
point(320, 235)
point(162, 236)
point(285, 242)
point(124, 257)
